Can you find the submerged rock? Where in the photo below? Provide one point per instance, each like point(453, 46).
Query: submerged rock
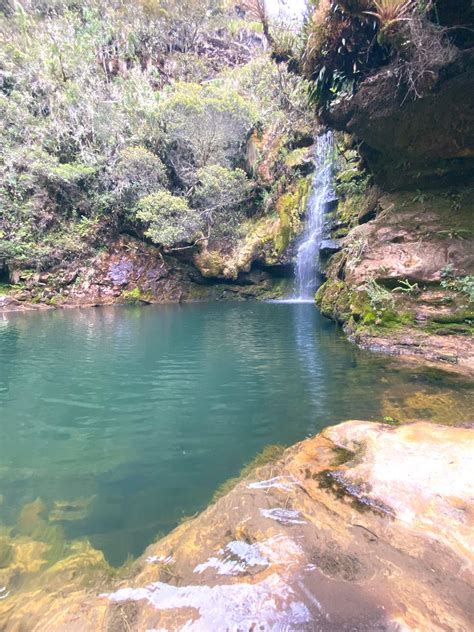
point(364, 527)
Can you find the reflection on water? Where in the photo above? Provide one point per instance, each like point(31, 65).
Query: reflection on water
point(116, 422)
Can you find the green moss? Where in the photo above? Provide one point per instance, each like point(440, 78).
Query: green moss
point(453, 330)
point(337, 300)
point(210, 263)
point(390, 421)
point(386, 319)
point(341, 456)
point(280, 288)
point(296, 157)
point(269, 454)
point(55, 300)
point(290, 207)
point(460, 316)
point(445, 328)
point(348, 209)
point(134, 296)
point(333, 298)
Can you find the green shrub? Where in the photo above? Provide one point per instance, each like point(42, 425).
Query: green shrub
point(169, 219)
point(204, 125)
point(138, 172)
point(219, 194)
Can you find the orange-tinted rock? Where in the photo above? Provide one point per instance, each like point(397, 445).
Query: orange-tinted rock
point(364, 527)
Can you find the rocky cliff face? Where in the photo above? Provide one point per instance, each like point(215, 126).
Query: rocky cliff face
point(396, 82)
point(132, 271)
point(403, 281)
point(337, 534)
point(412, 143)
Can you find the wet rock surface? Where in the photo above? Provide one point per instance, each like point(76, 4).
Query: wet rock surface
point(10, 304)
point(363, 527)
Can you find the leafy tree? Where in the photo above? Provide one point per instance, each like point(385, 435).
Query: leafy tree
point(98, 132)
point(204, 124)
point(138, 172)
point(169, 219)
point(219, 194)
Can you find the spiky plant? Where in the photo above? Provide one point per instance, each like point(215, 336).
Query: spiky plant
point(388, 12)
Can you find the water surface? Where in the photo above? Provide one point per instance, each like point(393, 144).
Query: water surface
point(116, 422)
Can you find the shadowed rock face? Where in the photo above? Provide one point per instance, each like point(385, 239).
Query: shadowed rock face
point(364, 527)
point(411, 143)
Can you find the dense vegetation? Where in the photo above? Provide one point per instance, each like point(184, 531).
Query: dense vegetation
point(134, 117)
point(345, 41)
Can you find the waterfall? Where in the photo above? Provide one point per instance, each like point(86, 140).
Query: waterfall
point(307, 259)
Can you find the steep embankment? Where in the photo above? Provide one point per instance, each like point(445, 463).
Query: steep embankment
point(334, 535)
point(402, 280)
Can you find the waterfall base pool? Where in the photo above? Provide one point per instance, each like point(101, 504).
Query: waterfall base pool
point(117, 422)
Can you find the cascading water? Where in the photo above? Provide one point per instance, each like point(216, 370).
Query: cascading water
point(307, 259)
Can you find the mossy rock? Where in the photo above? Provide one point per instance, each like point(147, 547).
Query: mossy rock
point(296, 158)
point(210, 263)
point(333, 298)
point(348, 175)
point(135, 296)
point(367, 314)
point(447, 328)
point(458, 317)
point(349, 209)
point(453, 330)
point(290, 207)
point(338, 300)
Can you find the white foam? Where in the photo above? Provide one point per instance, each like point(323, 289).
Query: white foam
point(238, 556)
point(4, 592)
point(152, 559)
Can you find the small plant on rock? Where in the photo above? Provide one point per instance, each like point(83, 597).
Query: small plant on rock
point(407, 288)
point(379, 297)
point(464, 285)
point(389, 12)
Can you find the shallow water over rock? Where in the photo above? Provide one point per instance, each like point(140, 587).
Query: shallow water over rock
point(336, 535)
point(117, 422)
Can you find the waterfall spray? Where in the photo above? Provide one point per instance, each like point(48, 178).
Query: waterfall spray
point(307, 259)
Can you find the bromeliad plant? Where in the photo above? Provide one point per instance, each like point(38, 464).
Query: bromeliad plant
point(389, 12)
